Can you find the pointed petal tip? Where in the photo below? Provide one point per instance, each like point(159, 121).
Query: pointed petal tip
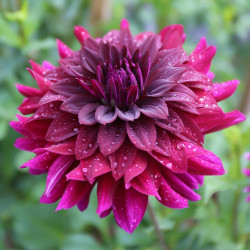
point(81, 34)
point(124, 24)
point(63, 49)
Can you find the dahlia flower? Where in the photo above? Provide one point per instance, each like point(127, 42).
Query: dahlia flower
point(128, 114)
point(246, 171)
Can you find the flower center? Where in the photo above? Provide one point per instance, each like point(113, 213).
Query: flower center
point(119, 80)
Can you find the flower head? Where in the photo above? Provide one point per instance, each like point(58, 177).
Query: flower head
point(246, 172)
point(128, 114)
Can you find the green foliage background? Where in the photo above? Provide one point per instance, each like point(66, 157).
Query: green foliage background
point(221, 220)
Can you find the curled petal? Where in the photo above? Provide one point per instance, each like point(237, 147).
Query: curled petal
point(86, 115)
point(223, 90)
point(105, 114)
point(131, 114)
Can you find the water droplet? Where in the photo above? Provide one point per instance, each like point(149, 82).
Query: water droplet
point(84, 170)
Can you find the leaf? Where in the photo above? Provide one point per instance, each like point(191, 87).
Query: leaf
point(80, 242)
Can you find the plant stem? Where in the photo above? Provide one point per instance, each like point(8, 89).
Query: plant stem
point(235, 215)
point(156, 226)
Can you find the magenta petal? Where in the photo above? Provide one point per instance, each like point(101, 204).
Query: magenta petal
point(65, 148)
point(86, 142)
point(111, 137)
point(56, 193)
point(48, 65)
point(246, 190)
point(29, 105)
point(153, 107)
point(246, 172)
point(57, 171)
point(51, 97)
point(95, 166)
point(73, 194)
point(202, 60)
point(136, 168)
point(208, 164)
point(41, 70)
point(179, 186)
point(75, 102)
point(200, 46)
point(124, 24)
point(148, 181)
point(170, 163)
point(28, 144)
point(63, 50)
point(62, 128)
point(223, 90)
point(170, 198)
point(76, 174)
point(163, 142)
point(129, 207)
point(122, 159)
point(194, 150)
point(172, 36)
point(81, 34)
point(84, 202)
point(28, 91)
point(37, 128)
point(189, 180)
point(105, 114)
point(142, 133)
point(43, 83)
point(105, 191)
point(40, 162)
point(67, 87)
point(229, 119)
point(37, 171)
point(18, 126)
point(86, 115)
